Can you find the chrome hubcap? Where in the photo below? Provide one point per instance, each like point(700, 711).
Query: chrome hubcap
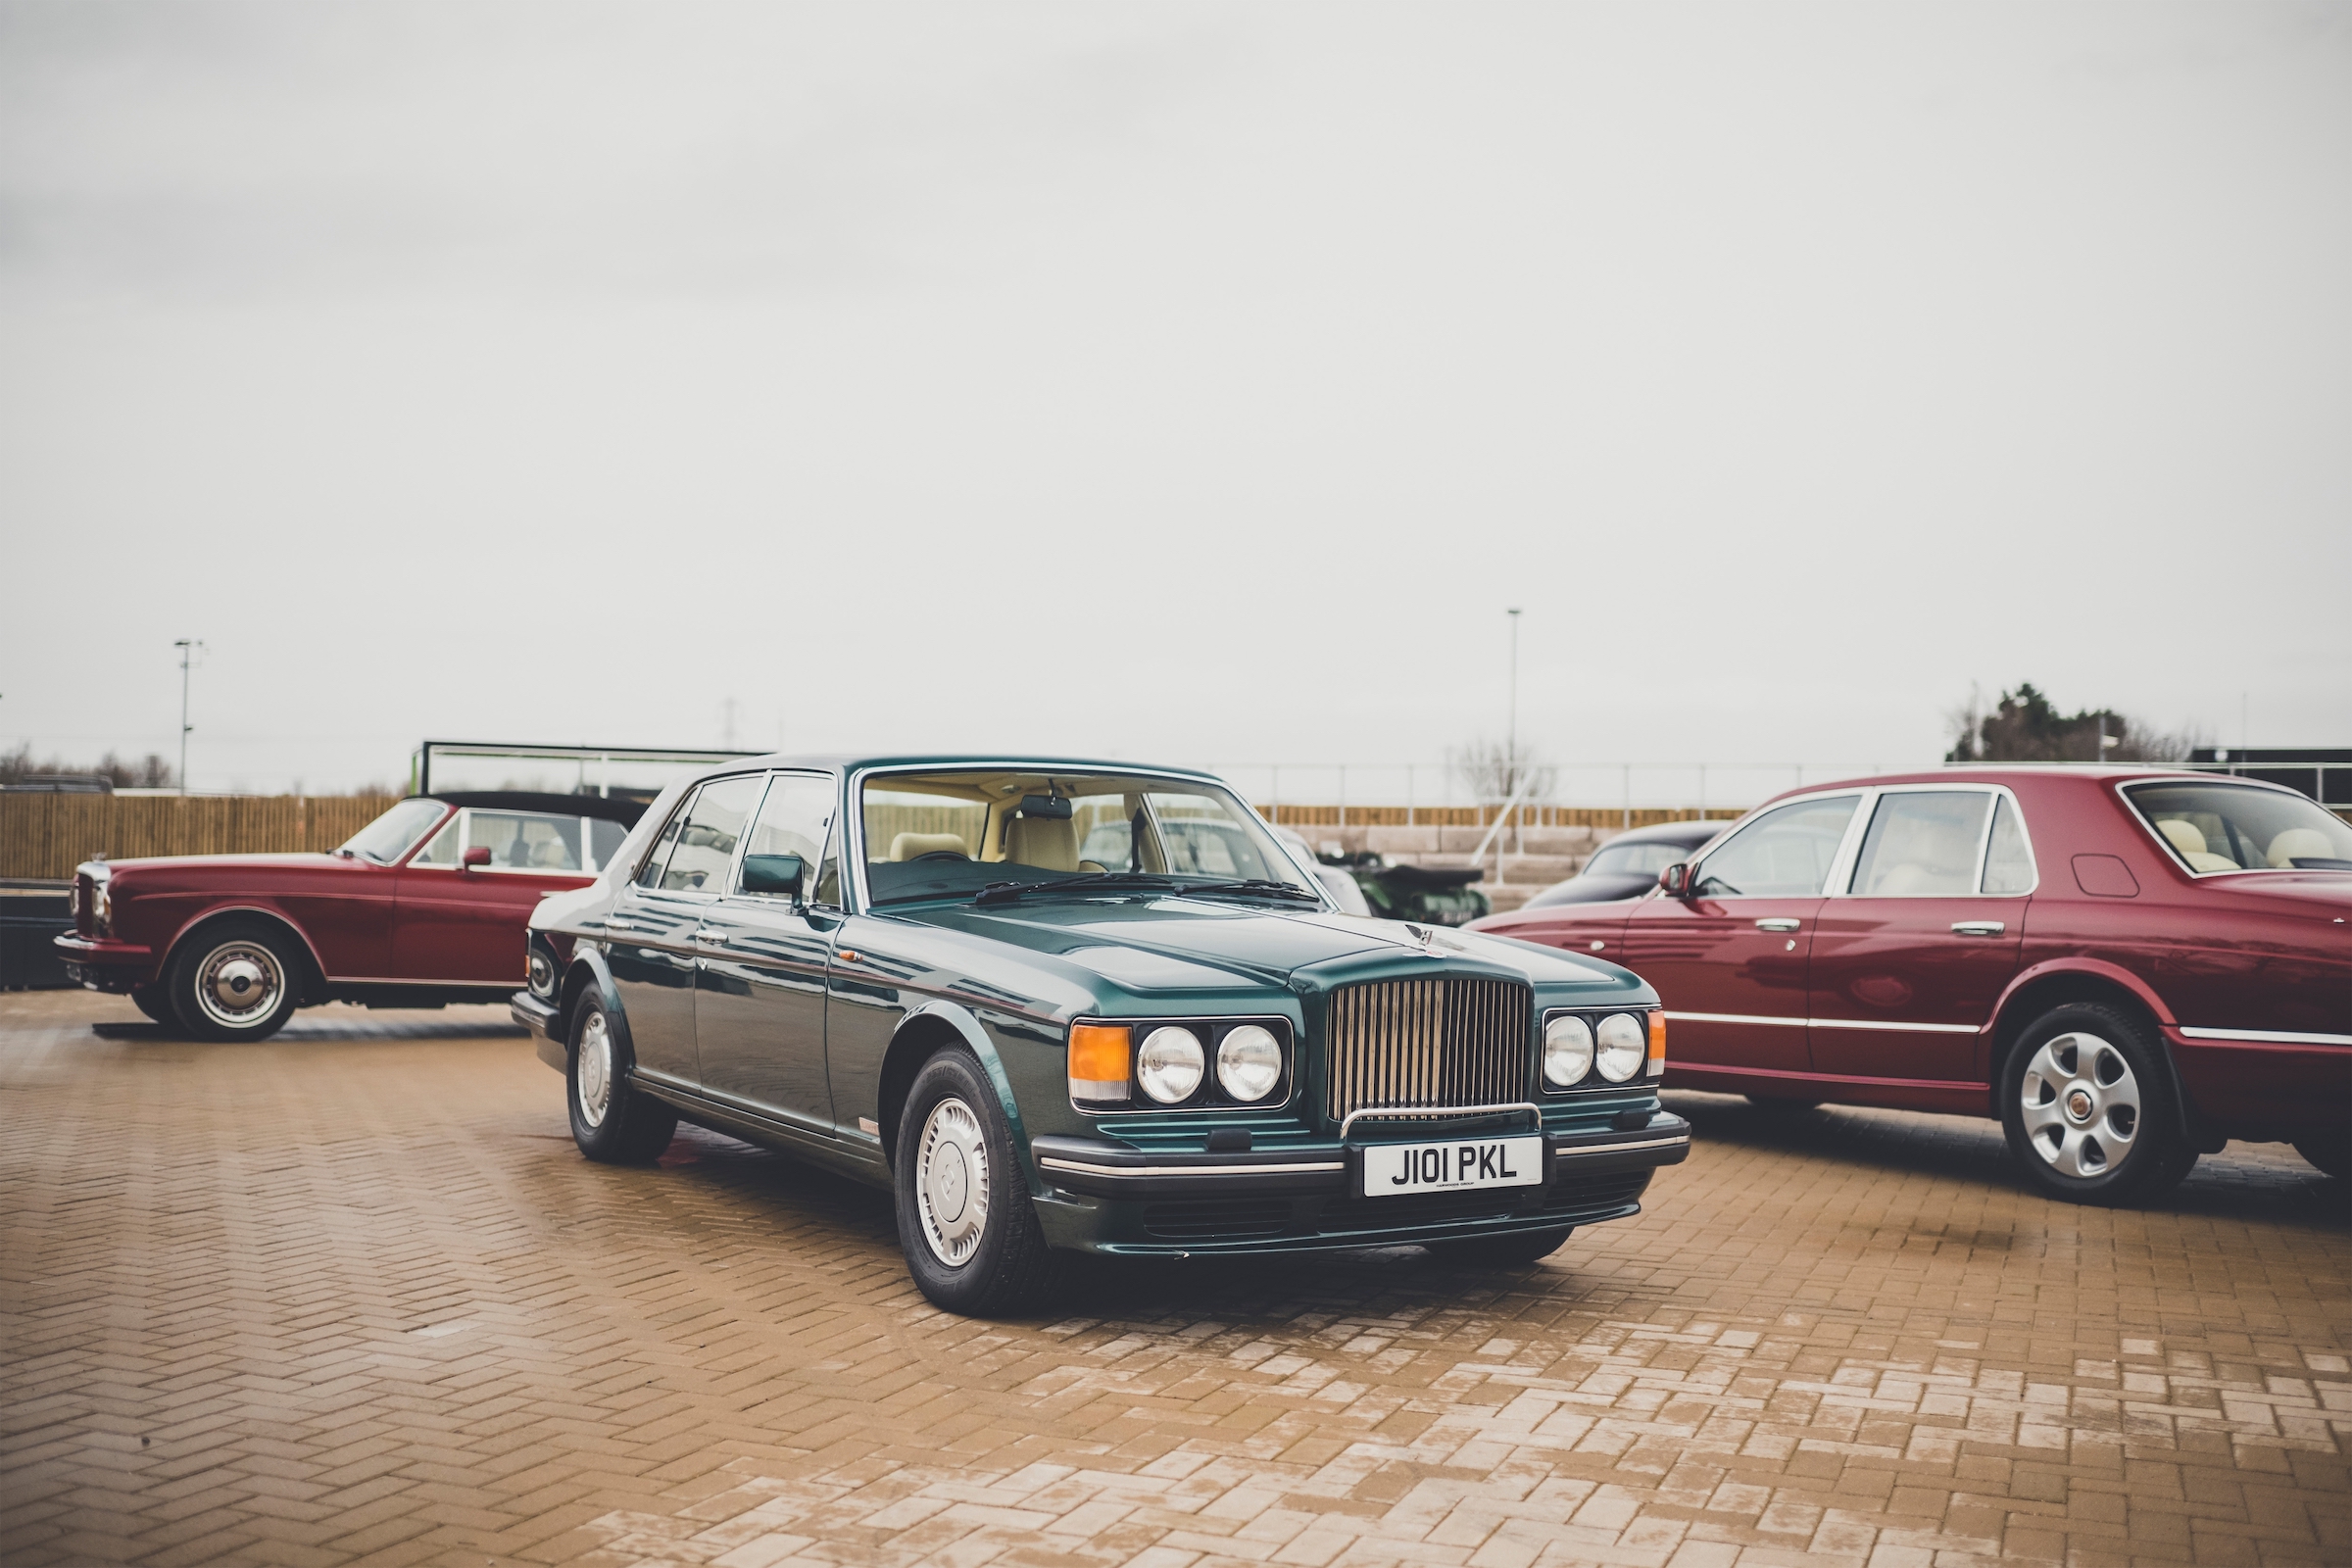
point(596, 1069)
point(239, 983)
point(2080, 1105)
point(951, 1182)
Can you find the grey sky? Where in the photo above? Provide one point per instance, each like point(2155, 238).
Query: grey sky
point(1188, 382)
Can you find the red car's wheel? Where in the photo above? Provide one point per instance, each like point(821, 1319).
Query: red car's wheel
point(2088, 1107)
point(237, 980)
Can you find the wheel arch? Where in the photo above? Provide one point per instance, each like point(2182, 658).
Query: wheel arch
point(313, 973)
point(2039, 990)
point(924, 1031)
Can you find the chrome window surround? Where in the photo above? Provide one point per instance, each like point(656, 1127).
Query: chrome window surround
point(1593, 1080)
point(734, 883)
point(686, 804)
point(1841, 862)
point(1207, 1025)
point(854, 817)
point(1842, 865)
point(2221, 781)
point(463, 819)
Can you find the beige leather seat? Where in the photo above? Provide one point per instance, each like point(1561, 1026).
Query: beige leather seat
point(2189, 839)
point(907, 845)
point(1042, 842)
point(2307, 842)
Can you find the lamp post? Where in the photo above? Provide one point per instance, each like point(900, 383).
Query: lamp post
point(1510, 743)
point(187, 646)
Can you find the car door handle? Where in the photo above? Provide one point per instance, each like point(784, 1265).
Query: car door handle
point(1979, 928)
point(717, 939)
point(1779, 922)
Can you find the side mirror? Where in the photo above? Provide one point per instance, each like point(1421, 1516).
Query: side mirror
point(1675, 880)
point(478, 856)
point(772, 873)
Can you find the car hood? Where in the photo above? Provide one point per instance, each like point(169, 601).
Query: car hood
point(1225, 939)
point(1599, 888)
point(314, 860)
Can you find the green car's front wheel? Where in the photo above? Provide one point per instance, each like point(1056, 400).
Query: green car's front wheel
point(966, 1220)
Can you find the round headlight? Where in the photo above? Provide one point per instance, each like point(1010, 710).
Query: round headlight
point(1623, 1047)
point(1170, 1064)
point(1248, 1063)
point(543, 974)
point(1567, 1051)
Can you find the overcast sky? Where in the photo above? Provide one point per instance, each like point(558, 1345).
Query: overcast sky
point(1190, 382)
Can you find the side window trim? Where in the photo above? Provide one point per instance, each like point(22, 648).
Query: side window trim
point(735, 888)
point(664, 841)
point(2004, 796)
point(1842, 861)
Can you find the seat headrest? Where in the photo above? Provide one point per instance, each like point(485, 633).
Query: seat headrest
point(907, 845)
point(2307, 842)
point(2184, 836)
point(1042, 842)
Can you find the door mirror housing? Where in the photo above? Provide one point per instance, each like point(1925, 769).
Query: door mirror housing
point(474, 857)
point(773, 873)
point(1675, 880)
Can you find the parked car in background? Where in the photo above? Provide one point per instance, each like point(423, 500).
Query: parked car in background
point(2126, 967)
point(423, 907)
point(1342, 887)
point(1628, 866)
point(942, 976)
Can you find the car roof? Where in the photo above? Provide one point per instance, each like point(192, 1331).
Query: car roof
point(855, 761)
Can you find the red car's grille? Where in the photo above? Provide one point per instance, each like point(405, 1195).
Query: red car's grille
point(1429, 1044)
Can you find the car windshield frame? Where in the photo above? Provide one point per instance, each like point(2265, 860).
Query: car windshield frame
point(2127, 790)
point(351, 844)
point(1117, 883)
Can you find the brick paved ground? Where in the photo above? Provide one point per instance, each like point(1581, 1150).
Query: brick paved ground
point(351, 1297)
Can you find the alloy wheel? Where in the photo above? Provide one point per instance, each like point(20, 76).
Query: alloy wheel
point(2080, 1105)
point(239, 984)
point(951, 1191)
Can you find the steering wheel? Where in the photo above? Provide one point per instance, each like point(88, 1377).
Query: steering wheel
point(939, 855)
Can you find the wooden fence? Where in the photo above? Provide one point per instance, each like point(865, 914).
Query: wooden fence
point(1532, 816)
point(48, 835)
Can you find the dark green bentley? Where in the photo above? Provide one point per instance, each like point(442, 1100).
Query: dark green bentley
point(1085, 1006)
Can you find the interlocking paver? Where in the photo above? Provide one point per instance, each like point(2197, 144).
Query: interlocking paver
point(349, 1297)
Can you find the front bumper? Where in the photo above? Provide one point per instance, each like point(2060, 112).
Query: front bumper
point(104, 964)
point(540, 1018)
point(1110, 1198)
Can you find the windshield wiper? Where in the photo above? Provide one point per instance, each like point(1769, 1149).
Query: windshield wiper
point(1138, 881)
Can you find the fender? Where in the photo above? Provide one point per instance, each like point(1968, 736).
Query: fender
point(170, 949)
point(974, 1035)
point(588, 968)
point(2117, 975)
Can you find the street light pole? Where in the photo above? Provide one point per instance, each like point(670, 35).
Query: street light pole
point(1510, 744)
point(187, 646)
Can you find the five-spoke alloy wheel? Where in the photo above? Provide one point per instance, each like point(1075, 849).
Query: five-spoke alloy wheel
point(966, 1222)
point(2088, 1107)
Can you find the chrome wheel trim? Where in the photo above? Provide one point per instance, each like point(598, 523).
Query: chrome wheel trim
point(2080, 1105)
point(951, 1182)
point(239, 984)
point(595, 1071)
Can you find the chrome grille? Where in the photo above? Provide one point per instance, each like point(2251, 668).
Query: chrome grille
point(1429, 1043)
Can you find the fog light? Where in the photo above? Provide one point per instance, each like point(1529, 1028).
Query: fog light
point(1624, 1047)
point(1567, 1051)
point(1248, 1063)
point(1171, 1065)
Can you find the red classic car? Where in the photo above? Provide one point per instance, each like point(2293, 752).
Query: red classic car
point(424, 906)
point(2126, 967)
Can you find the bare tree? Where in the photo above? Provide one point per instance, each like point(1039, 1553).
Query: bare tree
point(1493, 771)
point(150, 772)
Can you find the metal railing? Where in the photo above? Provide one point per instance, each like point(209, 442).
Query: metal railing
point(1630, 787)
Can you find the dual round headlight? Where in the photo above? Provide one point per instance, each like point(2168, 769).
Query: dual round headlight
point(1172, 1062)
point(1573, 1048)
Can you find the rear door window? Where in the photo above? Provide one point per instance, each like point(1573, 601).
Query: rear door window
point(1923, 844)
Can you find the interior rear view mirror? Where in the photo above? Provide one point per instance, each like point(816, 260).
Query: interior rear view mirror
point(1675, 880)
point(772, 873)
point(480, 854)
point(1051, 807)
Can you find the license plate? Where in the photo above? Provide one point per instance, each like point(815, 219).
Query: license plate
point(1453, 1166)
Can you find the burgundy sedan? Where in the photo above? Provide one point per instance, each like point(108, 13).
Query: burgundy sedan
point(2127, 968)
point(424, 906)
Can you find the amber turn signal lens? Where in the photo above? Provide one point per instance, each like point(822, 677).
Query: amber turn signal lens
point(1101, 1063)
point(1657, 1042)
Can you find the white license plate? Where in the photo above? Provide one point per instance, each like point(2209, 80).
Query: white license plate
point(1452, 1167)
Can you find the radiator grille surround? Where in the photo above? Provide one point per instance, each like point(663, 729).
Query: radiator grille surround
point(1428, 1043)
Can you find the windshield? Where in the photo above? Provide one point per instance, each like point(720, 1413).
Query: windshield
point(2232, 828)
point(388, 837)
point(949, 834)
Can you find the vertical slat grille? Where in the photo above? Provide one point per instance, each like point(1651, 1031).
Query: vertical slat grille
point(1427, 1043)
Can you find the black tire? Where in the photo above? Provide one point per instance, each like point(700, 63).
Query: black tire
point(155, 1002)
point(235, 980)
point(965, 1219)
point(612, 1123)
point(2330, 1153)
point(1782, 1106)
point(1501, 1251)
point(2086, 1101)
